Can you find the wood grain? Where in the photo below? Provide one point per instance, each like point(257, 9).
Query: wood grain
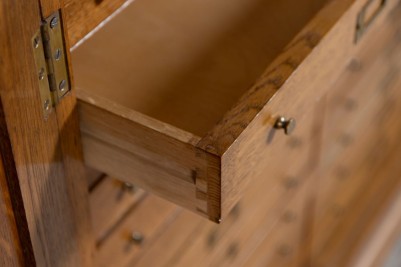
point(10, 247)
point(130, 116)
point(74, 169)
point(93, 177)
point(110, 200)
point(149, 220)
point(48, 7)
point(191, 239)
point(371, 86)
point(350, 235)
point(367, 158)
point(198, 79)
point(170, 167)
point(333, 52)
point(83, 16)
point(205, 244)
point(255, 236)
point(382, 233)
point(46, 153)
point(172, 241)
point(283, 244)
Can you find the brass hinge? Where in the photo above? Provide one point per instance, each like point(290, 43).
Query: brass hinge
point(51, 62)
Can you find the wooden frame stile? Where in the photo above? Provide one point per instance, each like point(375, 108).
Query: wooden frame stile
point(49, 190)
point(15, 248)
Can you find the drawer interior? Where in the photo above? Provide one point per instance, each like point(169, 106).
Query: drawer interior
point(166, 90)
point(186, 63)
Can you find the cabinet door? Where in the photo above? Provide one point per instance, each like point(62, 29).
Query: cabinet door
point(44, 158)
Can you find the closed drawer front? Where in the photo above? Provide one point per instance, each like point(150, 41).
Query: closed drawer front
point(283, 245)
point(135, 232)
point(366, 87)
point(109, 201)
point(363, 98)
point(363, 168)
point(363, 213)
point(186, 108)
point(372, 130)
point(93, 177)
point(189, 240)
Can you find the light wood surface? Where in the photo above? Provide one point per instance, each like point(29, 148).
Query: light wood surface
point(350, 234)
point(383, 232)
point(110, 200)
point(356, 102)
point(85, 15)
point(331, 137)
point(116, 113)
point(296, 95)
point(180, 98)
point(275, 197)
point(348, 135)
point(283, 244)
point(172, 241)
point(93, 177)
point(235, 239)
point(364, 94)
point(149, 219)
point(363, 157)
point(202, 67)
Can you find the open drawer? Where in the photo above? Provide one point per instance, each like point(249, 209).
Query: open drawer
point(182, 98)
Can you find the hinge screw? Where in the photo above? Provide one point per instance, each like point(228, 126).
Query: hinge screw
point(57, 55)
point(41, 74)
point(47, 104)
point(53, 22)
point(36, 42)
point(61, 86)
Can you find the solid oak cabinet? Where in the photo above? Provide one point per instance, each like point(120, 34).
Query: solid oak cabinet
point(215, 133)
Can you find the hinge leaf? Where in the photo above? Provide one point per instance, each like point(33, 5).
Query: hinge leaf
point(50, 55)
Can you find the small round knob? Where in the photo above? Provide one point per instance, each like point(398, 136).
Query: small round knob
point(137, 238)
point(53, 22)
point(233, 250)
point(287, 124)
point(285, 250)
point(128, 187)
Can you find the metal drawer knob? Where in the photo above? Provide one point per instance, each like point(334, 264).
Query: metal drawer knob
point(287, 124)
point(137, 238)
point(128, 187)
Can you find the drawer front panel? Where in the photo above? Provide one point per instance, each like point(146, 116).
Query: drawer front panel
point(283, 245)
point(365, 106)
point(363, 165)
point(109, 201)
point(136, 232)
